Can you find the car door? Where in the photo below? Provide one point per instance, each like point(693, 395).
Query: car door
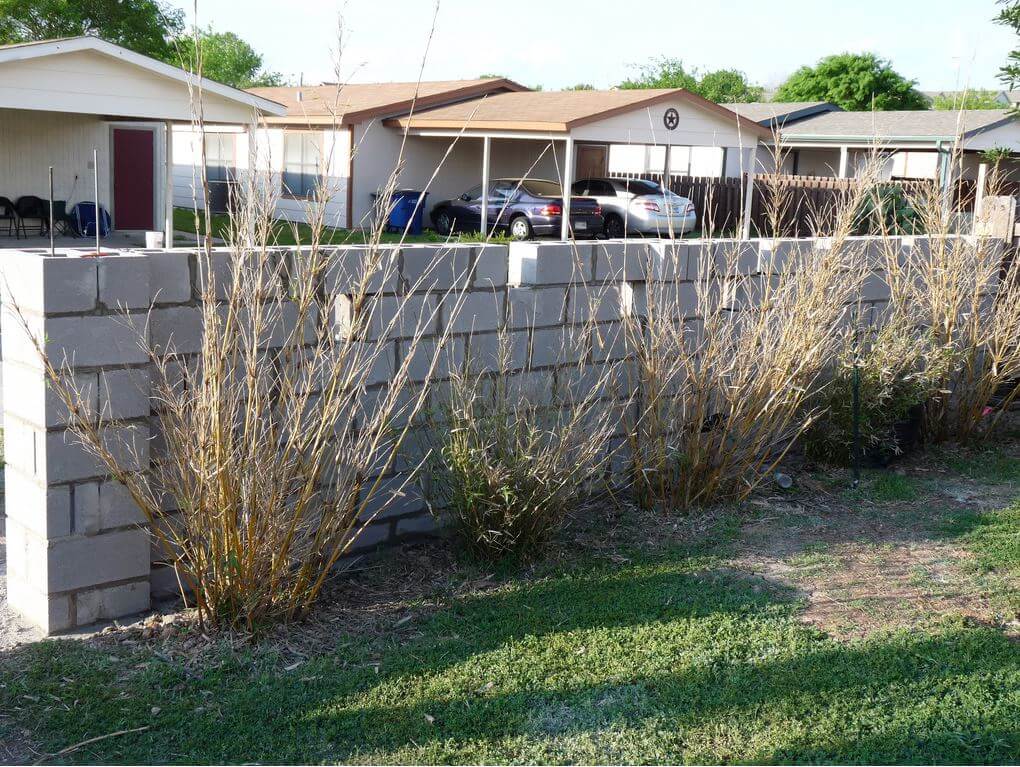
point(501, 196)
point(466, 210)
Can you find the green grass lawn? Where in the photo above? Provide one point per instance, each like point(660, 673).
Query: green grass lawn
point(631, 652)
point(288, 233)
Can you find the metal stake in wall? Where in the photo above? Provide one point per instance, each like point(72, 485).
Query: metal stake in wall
point(52, 249)
point(857, 400)
point(95, 177)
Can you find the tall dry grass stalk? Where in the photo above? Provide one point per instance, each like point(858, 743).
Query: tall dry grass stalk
point(522, 438)
point(727, 366)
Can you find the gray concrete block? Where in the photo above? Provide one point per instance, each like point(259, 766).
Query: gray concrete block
point(111, 602)
point(176, 329)
point(494, 351)
point(564, 345)
point(492, 263)
point(600, 303)
point(65, 459)
point(477, 311)
point(124, 393)
point(124, 281)
point(418, 525)
point(36, 401)
point(672, 300)
point(436, 268)
point(85, 561)
point(46, 511)
point(427, 360)
point(96, 341)
point(536, 307)
point(549, 263)
point(353, 268)
point(393, 497)
point(50, 612)
point(669, 259)
point(48, 285)
point(617, 260)
point(170, 277)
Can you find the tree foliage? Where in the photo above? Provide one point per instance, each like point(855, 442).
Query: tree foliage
point(227, 58)
point(853, 81)
point(1009, 16)
point(145, 26)
point(720, 86)
point(977, 99)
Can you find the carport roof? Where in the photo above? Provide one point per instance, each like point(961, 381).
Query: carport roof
point(770, 113)
point(919, 125)
point(557, 111)
point(351, 103)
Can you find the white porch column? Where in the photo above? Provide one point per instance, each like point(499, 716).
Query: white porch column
point(168, 192)
point(486, 141)
point(568, 181)
point(979, 194)
point(844, 161)
point(745, 225)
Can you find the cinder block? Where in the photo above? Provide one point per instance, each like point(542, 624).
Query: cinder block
point(371, 536)
point(374, 270)
point(609, 342)
point(564, 345)
point(549, 263)
point(163, 583)
point(601, 303)
point(492, 263)
point(95, 341)
point(436, 267)
point(176, 329)
point(124, 281)
point(36, 401)
point(41, 284)
point(124, 393)
point(535, 307)
point(473, 312)
point(426, 362)
point(393, 497)
point(875, 287)
point(170, 277)
point(50, 612)
point(630, 260)
point(111, 602)
point(672, 299)
point(777, 254)
point(394, 316)
point(731, 257)
point(101, 506)
point(84, 561)
point(66, 459)
point(418, 525)
point(46, 511)
point(669, 259)
point(495, 351)
point(379, 361)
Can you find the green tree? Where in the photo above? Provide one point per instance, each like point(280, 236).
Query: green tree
point(663, 72)
point(968, 100)
point(228, 59)
point(720, 86)
point(144, 26)
point(1009, 16)
point(727, 86)
point(853, 81)
point(580, 87)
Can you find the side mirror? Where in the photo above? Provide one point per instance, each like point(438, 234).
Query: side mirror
point(465, 197)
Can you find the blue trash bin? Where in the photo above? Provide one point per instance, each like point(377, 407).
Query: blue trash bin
point(404, 208)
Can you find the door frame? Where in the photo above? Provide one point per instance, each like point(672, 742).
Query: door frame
point(158, 189)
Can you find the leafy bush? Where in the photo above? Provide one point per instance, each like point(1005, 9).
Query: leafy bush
point(886, 210)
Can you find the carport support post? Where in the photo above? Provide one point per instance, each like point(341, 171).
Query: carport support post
point(168, 188)
point(568, 181)
point(486, 147)
point(844, 161)
point(745, 225)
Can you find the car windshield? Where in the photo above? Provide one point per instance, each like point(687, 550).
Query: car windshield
point(541, 188)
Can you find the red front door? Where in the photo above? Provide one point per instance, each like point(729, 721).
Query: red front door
point(133, 178)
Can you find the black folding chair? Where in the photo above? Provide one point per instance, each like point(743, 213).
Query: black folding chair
point(34, 208)
point(9, 214)
point(63, 222)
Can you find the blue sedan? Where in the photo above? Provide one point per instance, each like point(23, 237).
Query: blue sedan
point(525, 208)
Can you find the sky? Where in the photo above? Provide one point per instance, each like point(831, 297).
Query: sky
point(943, 44)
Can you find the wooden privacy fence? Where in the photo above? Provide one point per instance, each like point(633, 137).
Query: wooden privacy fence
point(808, 204)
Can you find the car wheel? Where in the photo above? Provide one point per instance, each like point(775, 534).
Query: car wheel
point(614, 227)
point(520, 229)
point(444, 224)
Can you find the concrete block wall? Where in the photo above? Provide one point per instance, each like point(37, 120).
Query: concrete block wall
point(77, 548)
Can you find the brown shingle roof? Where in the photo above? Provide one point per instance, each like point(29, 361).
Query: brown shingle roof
point(556, 111)
point(354, 102)
point(917, 124)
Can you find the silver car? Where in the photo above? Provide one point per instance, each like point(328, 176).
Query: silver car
point(638, 205)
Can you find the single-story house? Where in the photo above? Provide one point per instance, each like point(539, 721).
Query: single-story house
point(459, 134)
point(916, 144)
point(75, 102)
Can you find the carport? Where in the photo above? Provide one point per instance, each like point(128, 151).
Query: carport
point(593, 133)
point(77, 103)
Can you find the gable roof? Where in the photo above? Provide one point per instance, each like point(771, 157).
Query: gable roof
point(924, 124)
point(356, 102)
point(558, 111)
point(771, 114)
point(41, 48)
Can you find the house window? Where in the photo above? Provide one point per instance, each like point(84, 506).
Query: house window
point(706, 161)
point(302, 155)
point(219, 155)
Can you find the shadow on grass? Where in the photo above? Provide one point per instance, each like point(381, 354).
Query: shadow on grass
point(655, 661)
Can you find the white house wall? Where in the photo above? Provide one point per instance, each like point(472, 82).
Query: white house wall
point(30, 142)
point(88, 82)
